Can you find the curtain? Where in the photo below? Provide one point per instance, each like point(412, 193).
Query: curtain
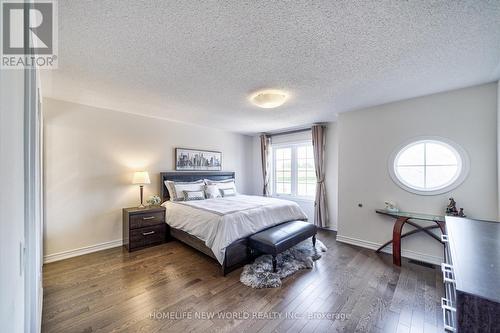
point(265, 146)
point(318, 140)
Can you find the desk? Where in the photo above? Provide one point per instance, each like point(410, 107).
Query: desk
point(403, 218)
point(471, 275)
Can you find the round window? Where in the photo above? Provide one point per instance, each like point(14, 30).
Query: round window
point(429, 166)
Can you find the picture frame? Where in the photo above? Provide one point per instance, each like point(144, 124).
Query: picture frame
point(187, 159)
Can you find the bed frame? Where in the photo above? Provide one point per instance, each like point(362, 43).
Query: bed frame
point(237, 253)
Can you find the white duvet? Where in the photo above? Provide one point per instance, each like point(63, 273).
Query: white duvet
point(219, 222)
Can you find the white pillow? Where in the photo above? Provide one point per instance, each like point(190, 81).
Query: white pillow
point(222, 184)
point(212, 191)
point(228, 192)
point(193, 195)
point(175, 189)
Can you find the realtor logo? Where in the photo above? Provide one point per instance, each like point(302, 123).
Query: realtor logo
point(29, 34)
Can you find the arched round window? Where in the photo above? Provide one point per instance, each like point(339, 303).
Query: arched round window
point(429, 166)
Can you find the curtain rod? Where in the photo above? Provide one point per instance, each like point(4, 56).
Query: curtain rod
point(289, 132)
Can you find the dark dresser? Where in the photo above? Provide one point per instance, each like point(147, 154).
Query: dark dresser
point(144, 227)
point(471, 275)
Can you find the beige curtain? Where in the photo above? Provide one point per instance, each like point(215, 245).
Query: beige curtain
point(320, 211)
point(265, 147)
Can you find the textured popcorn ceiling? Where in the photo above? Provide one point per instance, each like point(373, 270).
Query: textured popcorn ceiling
point(197, 61)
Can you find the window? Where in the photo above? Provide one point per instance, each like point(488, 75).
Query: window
point(293, 170)
point(429, 166)
point(283, 170)
point(306, 175)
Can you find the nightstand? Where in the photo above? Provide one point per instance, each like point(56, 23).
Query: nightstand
point(144, 227)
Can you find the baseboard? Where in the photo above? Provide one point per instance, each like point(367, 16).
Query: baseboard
point(81, 251)
point(388, 249)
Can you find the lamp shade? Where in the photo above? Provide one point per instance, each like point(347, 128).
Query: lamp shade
point(141, 177)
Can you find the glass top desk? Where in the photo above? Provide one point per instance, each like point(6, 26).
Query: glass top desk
point(402, 218)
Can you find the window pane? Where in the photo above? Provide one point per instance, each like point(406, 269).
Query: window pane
point(310, 152)
point(287, 153)
point(302, 152)
point(279, 165)
point(311, 190)
point(311, 177)
point(301, 177)
point(283, 170)
point(301, 164)
point(302, 189)
point(280, 177)
point(287, 165)
point(428, 165)
point(440, 176)
point(283, 153)
point(413, 155)
point(303, 181)
point(438, 154)
point(412, 176)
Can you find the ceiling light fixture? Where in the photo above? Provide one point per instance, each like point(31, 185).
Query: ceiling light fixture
point(268, 99)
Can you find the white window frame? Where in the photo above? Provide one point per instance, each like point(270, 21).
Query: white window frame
point(462, 158)
point(294, 174)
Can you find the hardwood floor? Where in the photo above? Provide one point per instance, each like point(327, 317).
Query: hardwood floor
point(159, 289)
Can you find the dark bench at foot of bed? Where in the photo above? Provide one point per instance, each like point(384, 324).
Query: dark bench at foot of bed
point(282, 237)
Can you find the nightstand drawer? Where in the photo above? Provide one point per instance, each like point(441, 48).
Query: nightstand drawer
point(147, 236)
point(146, 219)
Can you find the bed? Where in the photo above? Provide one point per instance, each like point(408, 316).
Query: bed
point(220, 228)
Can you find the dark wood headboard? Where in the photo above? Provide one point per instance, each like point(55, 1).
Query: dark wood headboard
point(190, 176)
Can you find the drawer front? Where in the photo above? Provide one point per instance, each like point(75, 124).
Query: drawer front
point(146, 219)
point(147, 236)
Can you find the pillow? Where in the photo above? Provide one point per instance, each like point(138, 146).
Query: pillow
point(222, 184)
point(228, 192)
point(212, 191)
point(175, 188)
point(193, 195)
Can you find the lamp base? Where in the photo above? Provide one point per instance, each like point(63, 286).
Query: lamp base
point(141, 205)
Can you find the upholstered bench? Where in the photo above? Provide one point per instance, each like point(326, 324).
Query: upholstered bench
point(282, 237)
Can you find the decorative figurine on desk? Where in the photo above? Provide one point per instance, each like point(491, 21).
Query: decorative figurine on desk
point(451, 209)
point(390, 206)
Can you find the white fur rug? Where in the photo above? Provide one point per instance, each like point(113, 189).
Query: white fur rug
point(260, 274)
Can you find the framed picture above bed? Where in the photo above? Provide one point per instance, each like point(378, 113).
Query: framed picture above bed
point(197, 160)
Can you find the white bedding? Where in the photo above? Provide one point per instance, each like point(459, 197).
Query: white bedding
point(219, 222)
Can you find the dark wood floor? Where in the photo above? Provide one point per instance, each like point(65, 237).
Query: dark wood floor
point(157, 289)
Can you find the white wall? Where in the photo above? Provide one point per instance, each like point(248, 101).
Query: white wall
point(11, 200)
point(367, 137)
point(90, 156)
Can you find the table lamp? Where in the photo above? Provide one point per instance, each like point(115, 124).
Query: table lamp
point(141, 178)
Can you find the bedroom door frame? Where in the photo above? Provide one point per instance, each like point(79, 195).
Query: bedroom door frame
point(33, 196)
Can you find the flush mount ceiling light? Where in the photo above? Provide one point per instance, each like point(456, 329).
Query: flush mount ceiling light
point(268, 99)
